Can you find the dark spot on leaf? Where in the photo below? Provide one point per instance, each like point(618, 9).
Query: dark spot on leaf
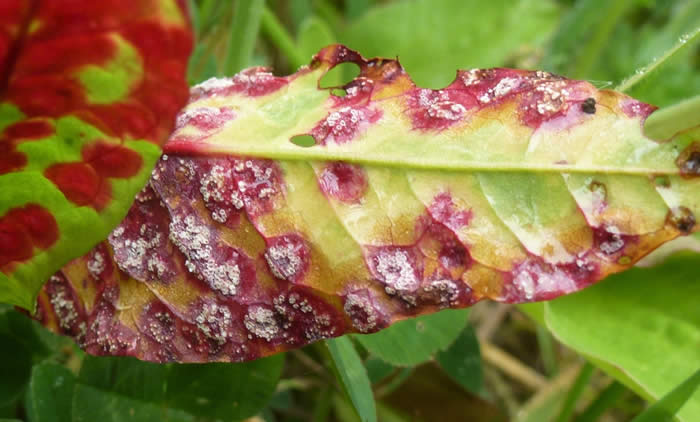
point(682, 219)
point(689, 160)
point(588, 105)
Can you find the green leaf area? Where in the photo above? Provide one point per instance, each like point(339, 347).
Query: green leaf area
point(416, 340)
point(641, 326)
point(122, 389)
point(116, 389)
point(53, 381)
point(432, 55)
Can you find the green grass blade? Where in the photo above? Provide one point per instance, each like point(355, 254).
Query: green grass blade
point(548, 352)
point(582, 35)
point(575, 393)
point(605, 400)
point(684, 44)
point(357, 8)
point(416, 340)
point(194, 16)
point(314, 34)
point(664, 409)
point(244, 33)
point(328, 12)
point(353, 376)
point(279, 36)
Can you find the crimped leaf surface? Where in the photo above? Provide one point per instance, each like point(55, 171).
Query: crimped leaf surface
point(88, 93)
point(507, 185)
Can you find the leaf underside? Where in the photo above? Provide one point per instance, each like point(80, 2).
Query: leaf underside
point(89, 91)
point(507, 185)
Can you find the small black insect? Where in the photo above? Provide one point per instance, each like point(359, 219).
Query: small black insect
point(588, 105)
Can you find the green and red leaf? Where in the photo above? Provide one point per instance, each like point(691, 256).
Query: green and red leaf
point(88, 94)
point(507, 185)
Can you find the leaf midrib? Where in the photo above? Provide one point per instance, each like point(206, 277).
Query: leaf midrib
point(322, 155)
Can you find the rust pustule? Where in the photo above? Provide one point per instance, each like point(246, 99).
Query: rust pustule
point(689, 160)
point(682, 219)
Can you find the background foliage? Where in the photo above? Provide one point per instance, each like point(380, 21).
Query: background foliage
point(601, 354)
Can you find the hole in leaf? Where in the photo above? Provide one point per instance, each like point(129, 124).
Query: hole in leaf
point(339, 75)
point(304, 141)
point(339, 92)
point(662, 181)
